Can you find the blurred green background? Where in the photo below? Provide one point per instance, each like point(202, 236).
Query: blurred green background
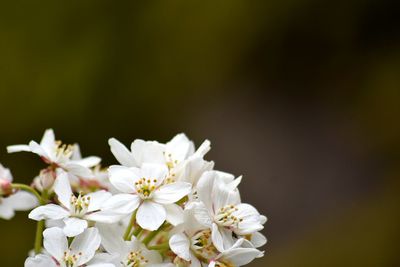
point(299, 96)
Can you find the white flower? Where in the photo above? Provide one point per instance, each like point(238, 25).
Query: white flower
point(235, 256)
point(128, 253)
point(10, 201)
point(60, 155)
point(149, 190)
point(80, 253)
point(191, 240)
point(75, 211)
point(171, 154)
point(219, 208)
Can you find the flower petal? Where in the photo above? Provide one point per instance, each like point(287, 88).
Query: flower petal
point(97, 199)
point(63, 190)
point(49, 211)
point(150, 215)
point(124, 178)
point(147, 152)
point(174, 214)
point(74, 226)
point(87, 243)
point(121, 153)
point(171, 193)
point(180, 245)
point(55, 242)
point(122, 203)
point(157, 171)
point(18, 148)
point(88, 161)
point(40, 260)
point(23, 201)
point(77, 169)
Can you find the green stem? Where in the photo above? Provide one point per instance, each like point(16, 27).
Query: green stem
point(153, 234)
point(29, 189)
point(39, 237)
point(40, 224)
point(160, 247)
point(137, 232)
point(129, 228)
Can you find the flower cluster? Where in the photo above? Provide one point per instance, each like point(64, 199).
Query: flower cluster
point(162, 205)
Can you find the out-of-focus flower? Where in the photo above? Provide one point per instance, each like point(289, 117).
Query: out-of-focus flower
point(59, 155)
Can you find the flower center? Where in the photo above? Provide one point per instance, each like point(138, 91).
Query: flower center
point(79, 205)
point(145, 187)
point(70, 259)
point(63, 151)
point(135, 259)
point(225, 217)
point(202, 244)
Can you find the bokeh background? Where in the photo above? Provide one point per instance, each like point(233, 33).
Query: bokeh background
point(299, 96)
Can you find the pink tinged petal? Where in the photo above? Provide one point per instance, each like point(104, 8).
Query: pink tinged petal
point(18, 148)
point(240, 256)
point(49, 211)
point(150, 215)
point(23, 201)
point(63, 190)
point(88, 162)
point(121, 153)
point(97, 199)
point(180, 245)
point(124, 178)
point(201, 214)
point(77, 169)
point(122, 203)
point(74, 226)
point(6, 210)
point(40, 260)
point(55, 242)
point(157, 171)
point(171, 193)
point(175, 214)
point(87, 243)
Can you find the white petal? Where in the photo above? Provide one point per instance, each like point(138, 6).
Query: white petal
point(74, 226)
point(205, 188)
point(157, 171)
point(37, 149)
point(78, 170)
point(121, 153)
point(55, 242)
point(201, 214)
point(87, 243)
point(203, 149)
point(63, 190)
point(150, 215)
point(123, 178)
point(217, 238)
point(111, 238)
point(171, 193)
point(174, 214)
point(147, 152)
point(104, 217)
point(180, 245)
point(223, 196)
point(180, 147)
point(97, 199)
point(48, 141)
point(122, 203)
point(88, 161)
point(258, 239)
point(23, 201)
point(49, 211)
point(40, 260)
point(18, 148)
point(240, 256)
point(6, 209)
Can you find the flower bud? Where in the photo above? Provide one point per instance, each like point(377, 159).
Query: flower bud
point(5, 188)
point(45, 180)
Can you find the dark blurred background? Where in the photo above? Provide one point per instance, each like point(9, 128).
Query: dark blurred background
point(299, 96)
